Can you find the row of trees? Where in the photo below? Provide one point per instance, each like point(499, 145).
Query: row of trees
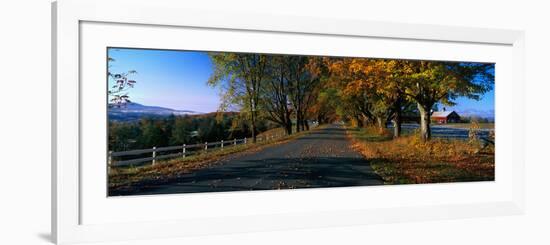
point(287, 88)
point(178, 130)
point(273, 87)
point(381, 90)
point(292, 90)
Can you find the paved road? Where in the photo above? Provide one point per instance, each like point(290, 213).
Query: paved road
point(322, 158)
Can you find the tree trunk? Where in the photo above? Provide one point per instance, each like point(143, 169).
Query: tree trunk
point(359, 121)
point(288, 127)
point(306, 125)
point(304, 121)
point(397, 121)
point(298, 122)
point(397, 125)
point(425, 132)
point(381, 124)
point(253, 126)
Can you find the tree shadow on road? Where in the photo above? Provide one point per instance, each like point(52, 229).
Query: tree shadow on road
point(264, 174)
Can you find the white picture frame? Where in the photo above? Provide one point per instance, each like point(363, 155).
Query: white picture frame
point(69, 198)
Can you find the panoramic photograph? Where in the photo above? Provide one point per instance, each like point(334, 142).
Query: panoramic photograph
point(194, 121)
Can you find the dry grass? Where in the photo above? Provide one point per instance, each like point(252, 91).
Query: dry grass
point(408, 160)
point(467, 125)
point(168, 169)
point(273, 131)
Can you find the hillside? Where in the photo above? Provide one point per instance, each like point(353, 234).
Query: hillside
point(133, 111)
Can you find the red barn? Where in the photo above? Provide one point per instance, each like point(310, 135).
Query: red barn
point(445, 117)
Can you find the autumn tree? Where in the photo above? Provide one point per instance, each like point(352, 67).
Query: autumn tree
point(276, 93)
point(355, 103)
point(318, 92)
point(431, 82)
point(326, 105)
point(370, 88)
point(386, 77)
point(240, 77)
point(303, 75)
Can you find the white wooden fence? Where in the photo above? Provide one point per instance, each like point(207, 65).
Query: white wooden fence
point(182, 150)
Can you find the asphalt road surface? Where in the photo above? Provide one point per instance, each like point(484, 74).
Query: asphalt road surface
point(322, 158)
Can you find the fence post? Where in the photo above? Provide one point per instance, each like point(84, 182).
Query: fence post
point(154, 154)
point(222, 144)
point(205, 146)
point(183, 151)
point(245, 140)
point(109, 161)
point(235, 141)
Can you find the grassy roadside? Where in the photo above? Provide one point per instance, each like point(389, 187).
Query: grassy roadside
point(407, 160)
point(466, 125)
point(165, 171)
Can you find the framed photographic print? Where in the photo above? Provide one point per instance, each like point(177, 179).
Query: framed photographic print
point(293, 121)
point(169, 124)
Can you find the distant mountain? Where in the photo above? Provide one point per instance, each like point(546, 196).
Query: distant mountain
point(487, 114)
point(133, 111)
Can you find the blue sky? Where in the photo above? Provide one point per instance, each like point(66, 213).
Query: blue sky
point(172, 79)
point(483, 107)
point(177, 80)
